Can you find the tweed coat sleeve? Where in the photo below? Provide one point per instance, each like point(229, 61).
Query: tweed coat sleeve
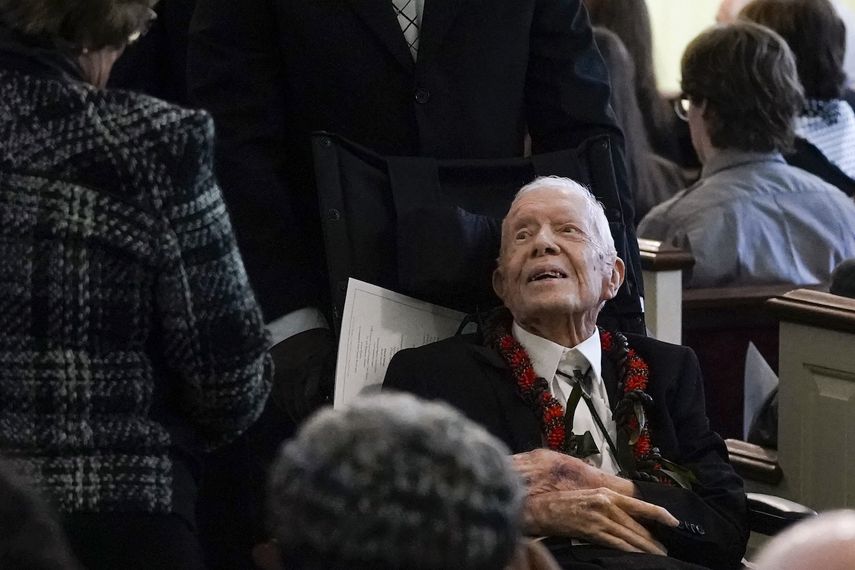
point(212, 330)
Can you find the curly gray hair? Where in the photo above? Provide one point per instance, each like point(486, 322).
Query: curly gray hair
point(92, 24)
point(395, 482)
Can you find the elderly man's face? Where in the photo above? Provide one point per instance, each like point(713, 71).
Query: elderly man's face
point(551, 264)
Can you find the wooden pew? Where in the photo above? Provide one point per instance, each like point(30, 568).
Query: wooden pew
point(816, 414)
point(718, 323)
point(662, 270)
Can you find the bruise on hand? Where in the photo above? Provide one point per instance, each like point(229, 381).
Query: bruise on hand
point(564, 472)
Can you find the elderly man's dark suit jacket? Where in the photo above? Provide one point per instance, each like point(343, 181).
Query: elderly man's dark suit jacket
point(476, 380)
point(273, 71)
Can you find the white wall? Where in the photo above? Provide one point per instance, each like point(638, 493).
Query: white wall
point(675, 23)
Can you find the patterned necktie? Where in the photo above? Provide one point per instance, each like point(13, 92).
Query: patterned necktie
point(408, 19)
point(583, 417)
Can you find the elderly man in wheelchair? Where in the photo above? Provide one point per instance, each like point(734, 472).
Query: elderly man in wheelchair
point(609, 430)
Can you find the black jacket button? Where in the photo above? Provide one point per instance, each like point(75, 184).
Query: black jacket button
point(422, 95)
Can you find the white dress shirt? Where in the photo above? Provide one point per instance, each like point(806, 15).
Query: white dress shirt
point(546, 358)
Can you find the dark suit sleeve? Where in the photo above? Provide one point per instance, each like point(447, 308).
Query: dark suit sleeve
point(714, 513)
point(235, 71)
point(567, 102)
point(567, 83)
point(417, 371)
point(447, 371)
point(399, 376)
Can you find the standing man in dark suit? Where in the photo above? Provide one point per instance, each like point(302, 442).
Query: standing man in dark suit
point(440, 78)
point(631, 467)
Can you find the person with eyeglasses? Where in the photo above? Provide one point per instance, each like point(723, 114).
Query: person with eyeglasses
point(751, 219)
point(130, 340)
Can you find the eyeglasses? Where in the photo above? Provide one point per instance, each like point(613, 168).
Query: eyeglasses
point(681, 106)
point(146, 26)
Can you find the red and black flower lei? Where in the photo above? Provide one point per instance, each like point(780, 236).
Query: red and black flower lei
point(634, 374)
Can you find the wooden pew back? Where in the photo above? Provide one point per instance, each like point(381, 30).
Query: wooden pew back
point(816, 416)
point(718, 324)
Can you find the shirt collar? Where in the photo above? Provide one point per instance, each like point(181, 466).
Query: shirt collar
point(546, 355)
point(730, 158)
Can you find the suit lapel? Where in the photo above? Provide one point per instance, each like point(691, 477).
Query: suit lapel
point(523, 427)
point(436, 21)
point(379, 16)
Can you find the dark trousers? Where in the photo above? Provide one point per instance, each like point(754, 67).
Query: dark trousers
point(133, 541)
point(584, 557)
point(230, 510)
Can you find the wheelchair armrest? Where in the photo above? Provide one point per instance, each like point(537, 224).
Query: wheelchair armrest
point(769, 514)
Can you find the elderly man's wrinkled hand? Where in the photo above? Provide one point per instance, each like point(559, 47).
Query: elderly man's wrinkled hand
point(598, 516)
point(545, 471)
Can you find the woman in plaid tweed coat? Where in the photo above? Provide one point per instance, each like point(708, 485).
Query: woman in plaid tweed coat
point(129, 337)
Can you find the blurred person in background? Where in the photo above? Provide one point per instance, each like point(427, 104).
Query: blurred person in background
point(751, 219)
point(130, 340)
point(653, 178)
point(728, 11)
point(825, 125)
point(630, 20)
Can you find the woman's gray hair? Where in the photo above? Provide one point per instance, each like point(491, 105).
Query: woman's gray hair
point(92, 24)
point(602, 237)
point(396, 482)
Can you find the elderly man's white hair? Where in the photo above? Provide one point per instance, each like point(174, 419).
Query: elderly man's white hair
point(596, 211)
point(826, 542)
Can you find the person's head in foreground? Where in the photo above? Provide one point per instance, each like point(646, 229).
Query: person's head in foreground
point(558, 264)
point(90, 34)
point(394, 482)
point(741, 90)
point(825, 542)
